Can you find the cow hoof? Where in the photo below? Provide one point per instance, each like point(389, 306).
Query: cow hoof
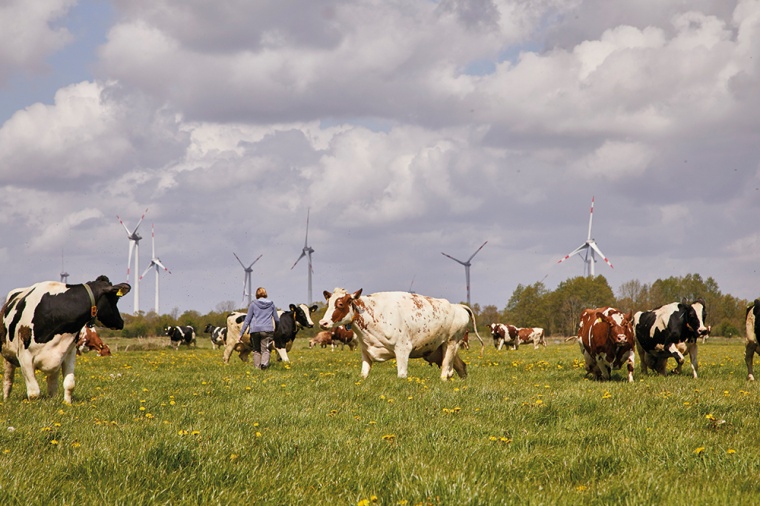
point(750, 377)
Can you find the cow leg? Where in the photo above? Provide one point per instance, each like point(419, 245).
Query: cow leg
point(402, 362)
point(642, 356)
point(27, 371)
point(673, 352)
point(692, 347)
point(366, 363)
point(10, 370)
point(749, 353)
point(282, 354)
point(52, 382)
point(447, 370)
point(630, 363)
point(228, 351)
point(67, 366)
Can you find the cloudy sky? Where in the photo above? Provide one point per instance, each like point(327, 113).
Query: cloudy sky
point(407, 127)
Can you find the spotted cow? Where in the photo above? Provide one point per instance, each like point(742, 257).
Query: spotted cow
point(41, 325)
point(218, 335)
point(752, 319)
point(606, 339)
point(670, 331)
point(504, 335)
point(401, 325)
point(181, 334)
point(90, 340)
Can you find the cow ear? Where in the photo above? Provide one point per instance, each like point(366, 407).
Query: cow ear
point(357, 294)
point(313, 308)
point(121, 289)
point(327, 295)
point(292, 308)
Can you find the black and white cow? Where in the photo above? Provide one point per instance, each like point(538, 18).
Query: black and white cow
point(669, 331)
point(181, 335)
point(751, 346)
point(218, 335)
point(40, 328)
point(290, 323)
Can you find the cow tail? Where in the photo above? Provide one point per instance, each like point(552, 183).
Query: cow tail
point(475, 328)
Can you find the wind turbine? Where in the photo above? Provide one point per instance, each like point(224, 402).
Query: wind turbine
point(467, 265)
point(64, 274)
point(589, 249)
point(247, 283)
point(155, 262)
point(307, 250)
point(134, 244)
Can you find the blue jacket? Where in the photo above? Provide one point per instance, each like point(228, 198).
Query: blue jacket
point(259, 317)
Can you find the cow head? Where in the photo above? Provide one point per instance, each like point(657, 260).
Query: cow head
point(209, 328)
point(340, 310)
point(301, 315)
point(695, 319)
point(106, 297)
point(168, 331)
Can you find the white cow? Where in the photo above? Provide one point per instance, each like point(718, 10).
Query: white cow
point(401, 325)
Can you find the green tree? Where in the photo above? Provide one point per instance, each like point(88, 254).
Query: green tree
point(573, 296)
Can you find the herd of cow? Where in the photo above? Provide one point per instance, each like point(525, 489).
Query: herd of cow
point(46, 325)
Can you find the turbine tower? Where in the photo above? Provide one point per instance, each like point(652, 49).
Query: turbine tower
point(247, 283)
point(134, 244)
point(64, 274)
point(155, 262)
point(467, 265)
point(307, 251)
point(589, 249)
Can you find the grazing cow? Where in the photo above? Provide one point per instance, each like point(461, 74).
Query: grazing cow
point(181, 335)
point(290, 322)
point(323, 339)
point(401, 325)
point(504, 334)
point(90, 340)
point(751, 347)
point(669, 331)
point(533, 335)
point(344, 336)
point(40, 328)
point(218, 335)
point(605, 336)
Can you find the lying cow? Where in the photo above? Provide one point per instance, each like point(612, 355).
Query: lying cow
point(218, 335)
point(752, 318)
point(90, 340)
point(181, 335)
point(41, 325)
point(401, 325)
point(670, 331)
point(606, 339)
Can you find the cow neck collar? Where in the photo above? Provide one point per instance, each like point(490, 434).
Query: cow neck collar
point(93, 306)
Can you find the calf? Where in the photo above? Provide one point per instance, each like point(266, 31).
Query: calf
point(504, 334)
point(401, 325)
point(669, 331)
point(181, 335)
point(40, 328)
point(90, 340)
point(606, 339)
point(218, 335)
point(752, 319)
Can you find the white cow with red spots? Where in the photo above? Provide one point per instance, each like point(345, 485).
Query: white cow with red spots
point(402, 325)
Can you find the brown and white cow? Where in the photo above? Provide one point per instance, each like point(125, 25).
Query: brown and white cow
point(90, 340)
point(504, 334)
point(606, 339)
point(400, 325)
point(752, 320)
point(323, 339)
point(343, 336)
point(40, 328)
point(533, 335)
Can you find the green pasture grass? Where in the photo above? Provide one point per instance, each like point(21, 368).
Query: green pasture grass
point(526, 427)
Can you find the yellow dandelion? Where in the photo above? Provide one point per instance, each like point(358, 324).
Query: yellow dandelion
point(149, 416)
point(172, 403)
point(607, 395)
point(54, 442)
point(700, 450)
point(46, 429)
point(363, 502)
point(234, 457)
point(258, 434)
point(6, 451)
point(182, 432)
point(195, 433)
point(710, 416)
point(492, 438)
point(255, 424)
point(389, 437)
point(56, 424)
point(142, 408)
point(581, 488)
point(730, 451)
point(76, 444)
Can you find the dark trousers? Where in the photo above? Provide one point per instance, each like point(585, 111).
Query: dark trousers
point(260, 344)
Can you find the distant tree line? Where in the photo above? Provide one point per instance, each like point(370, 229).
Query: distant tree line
point(558, 311)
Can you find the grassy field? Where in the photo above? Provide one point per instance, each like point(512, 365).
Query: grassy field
point(166, 427)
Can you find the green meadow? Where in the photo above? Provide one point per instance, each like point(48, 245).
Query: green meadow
point(526, 427)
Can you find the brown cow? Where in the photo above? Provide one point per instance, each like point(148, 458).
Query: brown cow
point(322, 339)
point(606, 340)
point(90, 340)
point(344, 336)
point(504, 334)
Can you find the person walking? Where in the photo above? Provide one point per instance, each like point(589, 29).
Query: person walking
point(260, 321)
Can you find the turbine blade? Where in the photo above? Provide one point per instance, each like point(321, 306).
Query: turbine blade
point(146, 270)
point(306, 241)
point(257, 259)
point(238, 259)
point(303, 254)
point(157, 262)
point(141, 220)
point(454, 259)
point(574, 252)
point(123, 225)
point(476, 252)
point(590, 218)
point(129, 258)
point(596, 248)
point(153, 239)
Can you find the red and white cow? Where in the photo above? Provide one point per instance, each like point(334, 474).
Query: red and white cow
point(40, 328)
point(504, 334)
point(400, 325)
point(343, 336)
point(606, 339)
point(533, 335)
point(90, 340)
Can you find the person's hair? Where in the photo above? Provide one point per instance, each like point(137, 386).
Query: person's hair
point(261, 292)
